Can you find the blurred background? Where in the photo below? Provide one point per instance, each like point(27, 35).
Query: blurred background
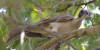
point(30, 12)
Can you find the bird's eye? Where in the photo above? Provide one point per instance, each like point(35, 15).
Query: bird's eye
point(82, 11)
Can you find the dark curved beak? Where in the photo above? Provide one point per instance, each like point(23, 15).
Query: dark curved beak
point(86, 13)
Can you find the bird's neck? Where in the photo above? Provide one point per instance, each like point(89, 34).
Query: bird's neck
point(81, 19)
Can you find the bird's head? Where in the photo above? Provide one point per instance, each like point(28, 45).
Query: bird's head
point(83, 13)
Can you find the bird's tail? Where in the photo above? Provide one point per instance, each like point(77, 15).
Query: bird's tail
point(15, 32)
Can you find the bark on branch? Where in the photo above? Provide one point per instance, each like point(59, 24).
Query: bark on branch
point(77, 33)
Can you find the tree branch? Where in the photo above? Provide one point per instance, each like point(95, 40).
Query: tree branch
point(76, 5)
point(78, 33)
point(47, 33)
point(58, 4)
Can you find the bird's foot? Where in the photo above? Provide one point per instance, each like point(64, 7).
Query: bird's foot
point(60, 32)
point(46, 37)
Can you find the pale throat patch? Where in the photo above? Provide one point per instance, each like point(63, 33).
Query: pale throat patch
point(59, 26)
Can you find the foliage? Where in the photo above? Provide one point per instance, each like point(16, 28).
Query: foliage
point(26, 11)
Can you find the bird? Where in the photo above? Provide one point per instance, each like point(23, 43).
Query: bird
point(64, 22)
point(60, 23)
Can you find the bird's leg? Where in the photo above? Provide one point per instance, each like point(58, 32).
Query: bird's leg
point(46, 37)
point(60, 32)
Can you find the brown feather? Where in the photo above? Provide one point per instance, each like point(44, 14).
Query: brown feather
point(60, 18)
point(14, 33)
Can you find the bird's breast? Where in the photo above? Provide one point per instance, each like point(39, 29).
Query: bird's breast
point(66, 26)
point(61, 26)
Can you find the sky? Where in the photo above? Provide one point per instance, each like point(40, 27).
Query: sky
point(2, 10)
point(96, 10)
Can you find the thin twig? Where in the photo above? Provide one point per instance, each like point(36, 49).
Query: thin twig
point(76, 5)
point(40, 41)
point(91, 21)
point(58, 4)
point(53, 47)
point(77, 8)
point(39, 7)
point(62, 2)
point(57, 46)
point(13, 21)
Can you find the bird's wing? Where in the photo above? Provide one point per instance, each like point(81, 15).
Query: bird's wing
point(60, 18)
point(14, 33)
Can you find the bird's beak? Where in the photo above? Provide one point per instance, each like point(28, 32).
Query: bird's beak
point(86, 14)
